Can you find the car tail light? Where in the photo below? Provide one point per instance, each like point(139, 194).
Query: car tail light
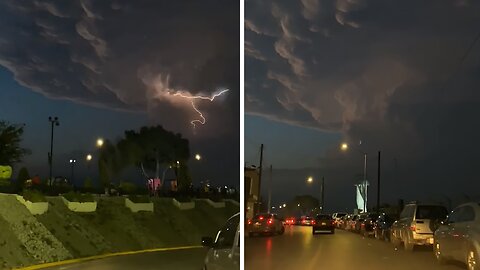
point(313, 222)
point(261, 217)
point(270, 221)
point(333, 222)
point(249, 222)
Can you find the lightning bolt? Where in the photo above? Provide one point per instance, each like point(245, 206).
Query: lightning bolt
point(202, 119)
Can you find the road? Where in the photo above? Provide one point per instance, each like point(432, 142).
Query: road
point(299, 249)
point(177, 259)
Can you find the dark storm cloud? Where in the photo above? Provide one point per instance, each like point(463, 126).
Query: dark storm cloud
point(385, 72)
point(108, 53)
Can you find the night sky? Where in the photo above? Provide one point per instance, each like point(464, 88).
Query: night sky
point(400, 76)
point(104, 67)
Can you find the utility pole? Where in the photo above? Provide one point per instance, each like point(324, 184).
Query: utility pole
point(270, 189)
point(378, 184)
point(323, 194)
point(54, 122)
point(365, 183)
point(260, 178)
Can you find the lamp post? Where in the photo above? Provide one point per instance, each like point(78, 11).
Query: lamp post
point(322, 189)
point(345, 147)
point(54, 122)
point(72, 163)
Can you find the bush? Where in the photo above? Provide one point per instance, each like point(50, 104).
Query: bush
point(33, 196)
point(127, 188)
point(78, 197)
point(139, 198)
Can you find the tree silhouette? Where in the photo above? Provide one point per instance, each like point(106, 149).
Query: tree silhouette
point(10, 139)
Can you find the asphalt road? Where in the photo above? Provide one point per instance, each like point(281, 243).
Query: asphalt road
point(177, 259)
point(299, 249)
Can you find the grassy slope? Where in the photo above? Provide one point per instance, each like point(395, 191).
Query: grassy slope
point(12, 251)
point(73, 230)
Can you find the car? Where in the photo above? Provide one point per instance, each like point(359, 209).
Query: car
point(416, 224)
point(337, 217)
point(307, 221)
point(458, 237)
point(381, 227)
point(357, 227)
point(366, 226)
point(224, 250)
point(265, 224)
point(323, 223)
point(290, 221)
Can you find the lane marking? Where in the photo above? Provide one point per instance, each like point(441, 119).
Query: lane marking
point(103, 256)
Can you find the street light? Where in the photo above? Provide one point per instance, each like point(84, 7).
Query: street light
point(89, 157)
point(322, 187)
point(344, 147)
point(284, 205)
point(198, 157)
point(72, 163)
point(54, 122)
point(100, 142)
point(310, 179)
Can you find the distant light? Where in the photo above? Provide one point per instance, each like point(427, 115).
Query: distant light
point(178, 162)
point(280, 207)
point(100, 142)
point(298, 204)
point(198, 157)
point(310, 179)
point(284, 205)
point(73, 160)
point(344, 146)
point(89, 157)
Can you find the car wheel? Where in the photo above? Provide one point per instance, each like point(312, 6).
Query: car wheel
point(438, 253)
point(407, 245)
point(282, 230)
point(472, 259)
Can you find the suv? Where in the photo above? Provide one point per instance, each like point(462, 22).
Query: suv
point(265, 224)
point(224, 251)
point(416, 225)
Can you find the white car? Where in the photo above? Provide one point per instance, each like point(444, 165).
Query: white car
point(224, 251)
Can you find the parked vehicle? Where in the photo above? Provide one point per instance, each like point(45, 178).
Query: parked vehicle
point(381, 227)
point(366, 226)
point(416, 225)
point(323, 223)
point(458, 237)
point(265, 224)
point(224, 251)
point(337, 217)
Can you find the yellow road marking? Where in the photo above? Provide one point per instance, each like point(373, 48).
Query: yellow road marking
point(52, 264)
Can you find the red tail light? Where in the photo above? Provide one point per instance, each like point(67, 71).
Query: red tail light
point(261, 218)
point(270, 221)
point(333, 222)
point(249, 222)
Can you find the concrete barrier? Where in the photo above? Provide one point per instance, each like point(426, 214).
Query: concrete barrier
point(183, 205)
point(212, 203)
point(35, 208)
point(232, 201)
point(83, 207)
point(136, 207)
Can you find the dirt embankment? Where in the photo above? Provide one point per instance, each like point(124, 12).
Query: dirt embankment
point(61, 234)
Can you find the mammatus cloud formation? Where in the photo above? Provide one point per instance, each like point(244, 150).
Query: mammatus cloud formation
point(111, 53)
point(387, 72)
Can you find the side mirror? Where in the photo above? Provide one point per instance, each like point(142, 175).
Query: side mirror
point(207, 242)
